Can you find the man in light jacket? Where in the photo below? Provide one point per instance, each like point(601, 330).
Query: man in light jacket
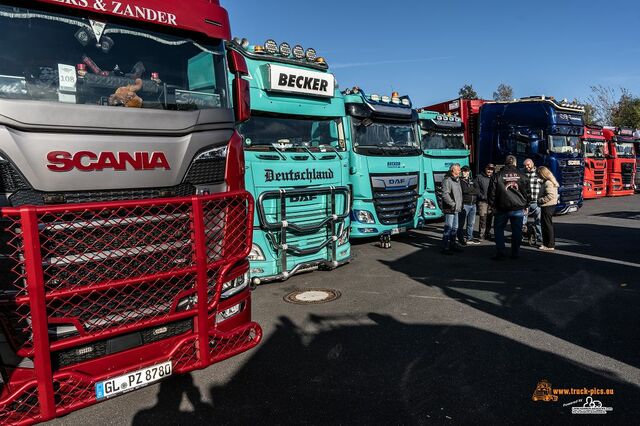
point(451, 207)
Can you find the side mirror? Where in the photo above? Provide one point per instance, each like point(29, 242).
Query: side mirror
point(240, 86)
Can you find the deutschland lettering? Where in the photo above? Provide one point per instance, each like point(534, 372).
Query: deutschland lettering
point(292, 176)
point(301, 82)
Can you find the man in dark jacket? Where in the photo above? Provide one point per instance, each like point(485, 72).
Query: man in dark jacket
point(508, 196)
point(485, 211)
point(468, 213)
point(451, 207)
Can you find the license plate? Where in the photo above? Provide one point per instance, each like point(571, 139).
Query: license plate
point(398, 231)
point(598, 192)
point(573, 209)
point(133, 380)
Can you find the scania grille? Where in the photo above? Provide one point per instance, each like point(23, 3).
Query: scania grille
point(627, 173)
point(39, 198)
point(572, 175)
point(396, 206)
point(570, 195)
point(599, 177)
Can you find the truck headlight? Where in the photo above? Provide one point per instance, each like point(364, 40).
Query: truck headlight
point(233, 287)
point(256, 253)
point(364, 216)
point(429, 204)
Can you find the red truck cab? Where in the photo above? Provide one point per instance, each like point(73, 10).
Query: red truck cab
point(469, 111)
point(621, 161)
point(595, 163)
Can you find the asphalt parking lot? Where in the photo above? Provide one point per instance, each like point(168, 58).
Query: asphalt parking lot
point(417, 337)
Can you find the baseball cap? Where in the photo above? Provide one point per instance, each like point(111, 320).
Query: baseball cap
point(490, 166)
point(465, 168)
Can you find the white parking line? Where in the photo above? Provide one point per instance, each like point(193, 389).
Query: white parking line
point(587, 256)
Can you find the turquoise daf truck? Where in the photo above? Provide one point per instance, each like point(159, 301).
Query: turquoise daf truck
point(443, 144)
point(385, 165)
point(296, 162)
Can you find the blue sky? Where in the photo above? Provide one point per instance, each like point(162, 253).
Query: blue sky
point(430, 49)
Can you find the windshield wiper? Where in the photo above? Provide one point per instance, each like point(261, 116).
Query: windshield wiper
point(333, 149)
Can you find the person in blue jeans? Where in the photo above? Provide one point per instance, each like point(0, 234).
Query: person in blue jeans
point(467, 218)
point(451, 207)
point(508, 196)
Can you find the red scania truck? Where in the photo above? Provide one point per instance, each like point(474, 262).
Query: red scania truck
point(125, 224)
point(621, 161)
point(595, 164)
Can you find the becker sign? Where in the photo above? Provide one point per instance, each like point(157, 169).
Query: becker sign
point(299, 81)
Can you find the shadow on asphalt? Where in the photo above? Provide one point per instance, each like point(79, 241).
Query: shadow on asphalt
point(631, 215)
point(591, 303)
point(381, 371)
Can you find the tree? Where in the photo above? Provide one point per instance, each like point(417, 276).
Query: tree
point(603, 100)
point(589, 114)
point(504, 92)
point(467, 92)
point(627, 112)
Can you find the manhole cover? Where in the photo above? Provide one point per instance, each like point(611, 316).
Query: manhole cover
point(312, 296)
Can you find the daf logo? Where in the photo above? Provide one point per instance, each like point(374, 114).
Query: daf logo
point(302, 198)
point(397, 181)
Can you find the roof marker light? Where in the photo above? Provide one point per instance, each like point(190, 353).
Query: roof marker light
point(320, 60)
point(386, 99)
point(311, 54)
point(375, 98)
point(298, 52)
point(285, 49)
point(271, 47)
point(406, 102)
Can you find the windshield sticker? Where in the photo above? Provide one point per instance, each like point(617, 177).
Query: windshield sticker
point(186, 99)
point(13, 86)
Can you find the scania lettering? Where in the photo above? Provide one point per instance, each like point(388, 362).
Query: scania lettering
point(124, 221)
point(385, 165)
point(595, 163)
point(443, 144)
point(621, 161)
point(542, 129)
point(61, 161)
point(295, 149)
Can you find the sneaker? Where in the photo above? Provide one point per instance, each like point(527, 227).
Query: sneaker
point(544, 248)
point(475, 241)
point(463, 242)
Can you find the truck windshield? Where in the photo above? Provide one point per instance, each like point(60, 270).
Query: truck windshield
point(438, 140)
point(284, 133)
point(624, 149)
point(56, 58)
point(564, 144)
point(384, 134)
point(593, 148)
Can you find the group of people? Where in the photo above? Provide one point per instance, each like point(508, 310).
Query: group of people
point(508, 195)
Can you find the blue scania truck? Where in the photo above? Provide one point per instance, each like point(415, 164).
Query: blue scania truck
point(385, 165)
point(297, 165)
point(542, 129)
point(442, 145)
